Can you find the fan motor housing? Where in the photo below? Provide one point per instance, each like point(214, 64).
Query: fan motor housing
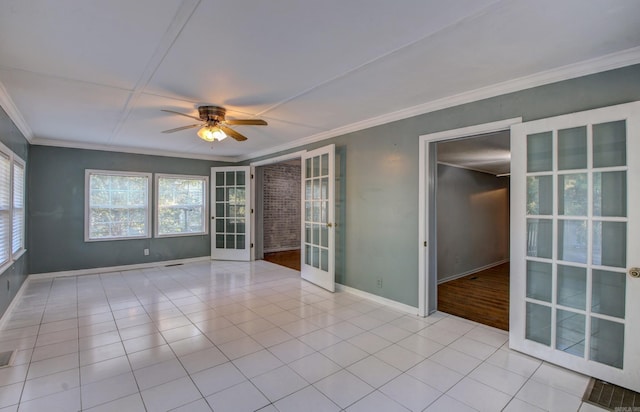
point(212, 113)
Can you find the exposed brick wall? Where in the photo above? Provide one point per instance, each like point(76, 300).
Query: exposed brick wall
point(281, 207)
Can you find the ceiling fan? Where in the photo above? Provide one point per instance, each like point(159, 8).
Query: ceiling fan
point(213, 125)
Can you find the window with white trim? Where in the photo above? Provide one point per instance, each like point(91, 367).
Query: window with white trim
point(12, 211)
point(117, 205)
point(5, 208)
point(181, 205)
point(18, 226)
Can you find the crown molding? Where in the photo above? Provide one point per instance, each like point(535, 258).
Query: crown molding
point(132, 150)
point(14, 114)
point(611, 61)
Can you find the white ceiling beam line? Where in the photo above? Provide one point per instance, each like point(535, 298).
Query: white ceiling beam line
point(184, 13)
point(608, 62)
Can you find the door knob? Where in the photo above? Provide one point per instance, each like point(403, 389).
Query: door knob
point(634, 272)
point(329, 224)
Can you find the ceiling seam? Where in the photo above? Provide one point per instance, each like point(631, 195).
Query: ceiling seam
point(181, 18)
point(473, 16)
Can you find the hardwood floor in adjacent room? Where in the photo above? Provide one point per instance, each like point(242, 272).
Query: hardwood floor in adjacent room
point(482, 297)
point(287, 258)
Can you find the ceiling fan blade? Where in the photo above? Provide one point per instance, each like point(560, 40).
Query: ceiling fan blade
point(246, 122)
point(230, 132)
point(177, 129)
point(182, 114)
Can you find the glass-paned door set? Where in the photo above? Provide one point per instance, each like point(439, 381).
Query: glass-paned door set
point(576, 244)
point(231, 213)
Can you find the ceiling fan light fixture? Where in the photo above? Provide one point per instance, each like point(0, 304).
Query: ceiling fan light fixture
point(211, 133)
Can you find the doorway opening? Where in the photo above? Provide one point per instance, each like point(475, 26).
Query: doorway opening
point(472, 227)
point(278, 213)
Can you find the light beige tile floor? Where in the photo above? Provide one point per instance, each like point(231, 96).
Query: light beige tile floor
point(231, 336)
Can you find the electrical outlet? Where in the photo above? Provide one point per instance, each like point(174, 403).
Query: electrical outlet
point(146, 252)
point(379, 282)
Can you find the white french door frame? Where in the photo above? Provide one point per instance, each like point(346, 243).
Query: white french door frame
point(427, 297)
point(254, 188)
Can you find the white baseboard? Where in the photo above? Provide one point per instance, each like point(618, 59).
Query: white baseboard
point(378, 299)
point(13, 303)
point(469, 272)
point(95, 271)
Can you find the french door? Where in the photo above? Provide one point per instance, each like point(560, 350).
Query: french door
point(575, 225)
point(318, 205)
point(230, 213)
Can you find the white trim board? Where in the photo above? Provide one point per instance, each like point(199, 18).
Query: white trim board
point(110, 269)
point(14, 303)
point(378, 299)
point(472, 271)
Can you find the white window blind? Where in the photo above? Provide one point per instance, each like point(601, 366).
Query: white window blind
point(5, 207)
point(117, 205)
point(17, 232)
point(181, 205)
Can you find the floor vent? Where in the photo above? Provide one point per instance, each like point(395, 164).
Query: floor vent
point(611, 397)
point(173, 264)
point(6, 358)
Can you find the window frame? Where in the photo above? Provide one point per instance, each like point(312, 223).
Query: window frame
point(21, 250)
point(11, 256)
point(87, 206)
point(205, 204)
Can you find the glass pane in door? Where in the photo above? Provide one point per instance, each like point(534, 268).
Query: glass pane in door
point(577, 224)
point(231, 213)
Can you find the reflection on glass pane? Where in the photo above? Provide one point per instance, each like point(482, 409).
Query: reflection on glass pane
point(539, 152)
point(220, 226)
point(240, 178)
point(539, 280)
point(610, 194)
point(307, 232)
point(308, 193)
point(307, 211)
point(220, 195)
point(316, 257)
point(231, 241)
point(610, 244)
point(609, 291)
point(316, 211)
point(324, 191)
point(240, 227)
point(539, 195)
point(572, 286)
point(231, 178)
point(609, 144)
point(572, 148)
point(240, 193)
point(572, 240)
point(323, 212)
point(316, 166)
point(316, 188)
point(231, 226)
point(572, 194)
point(219, 178)
point(220, 241)
point(231, 210)
point(240, 240)
point(307, 255)
point(324, 170)
point(220, 209)
point(539, 238)
point(324, 259)
point(316, 234)
point(607, 342)
point(570, 335)
point(324, 236)
point(538, 323)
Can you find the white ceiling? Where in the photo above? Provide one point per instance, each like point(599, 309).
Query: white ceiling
point(97, 74)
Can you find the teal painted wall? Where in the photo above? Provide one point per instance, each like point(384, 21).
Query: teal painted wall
point(377, 175)
point(15, 275)
point(56, 211)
